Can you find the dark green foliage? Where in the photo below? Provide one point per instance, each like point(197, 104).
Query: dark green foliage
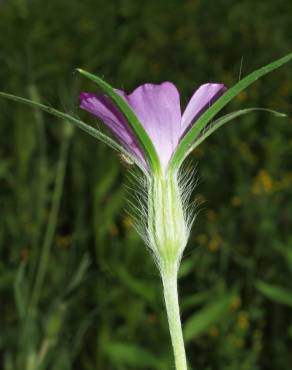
point(97, 303)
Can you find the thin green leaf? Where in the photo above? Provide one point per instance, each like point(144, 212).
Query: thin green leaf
point(132, 355)
point(205, 118)
point(76, 122)
point(20, 291)
point(195, 299)
point(275, 293)
point(132, 119)
point(79, 274)
point(227, 118)
point(202, 320)
point(84, 324)
point(4, 167)
point(185, 268)
point(137, 286)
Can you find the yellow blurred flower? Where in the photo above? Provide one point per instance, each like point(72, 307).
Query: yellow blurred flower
point(242, 96)
point(202, 238)
point(211, 215)
point(236, 201)
point(198, 152)
point(128, 222)
point(243, 320)
point(152, 318)
point(285, 88)
point(214, 244)
point(236, 303)
point(263, 183)
point(25, 254)
point(213, 332)
point(114, 230)
point(63, 241)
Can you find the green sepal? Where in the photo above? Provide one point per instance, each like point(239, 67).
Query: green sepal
point(131, 118)
point(206, 117)
point(76, 122)
point(227, 118)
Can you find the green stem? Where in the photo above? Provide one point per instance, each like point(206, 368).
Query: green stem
point(169, 280)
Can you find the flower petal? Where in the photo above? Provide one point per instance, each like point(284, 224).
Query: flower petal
point(103, 108)
point(158, 109)
point(201, 100)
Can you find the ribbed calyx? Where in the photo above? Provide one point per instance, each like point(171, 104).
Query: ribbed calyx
point(168, 226)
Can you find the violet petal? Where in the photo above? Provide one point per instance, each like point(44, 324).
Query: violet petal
point(103, 108)
point(158, 109)
point(201, 100)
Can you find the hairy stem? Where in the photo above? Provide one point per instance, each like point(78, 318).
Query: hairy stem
point(169, 280)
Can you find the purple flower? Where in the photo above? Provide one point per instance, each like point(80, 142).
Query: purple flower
point(158, 109)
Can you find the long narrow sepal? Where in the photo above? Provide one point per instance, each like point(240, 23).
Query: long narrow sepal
point(76, 122)
point(144, 139)
point(206, 117)
point(227, 118)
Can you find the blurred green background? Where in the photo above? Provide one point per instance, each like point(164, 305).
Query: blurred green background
point(78, 289)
